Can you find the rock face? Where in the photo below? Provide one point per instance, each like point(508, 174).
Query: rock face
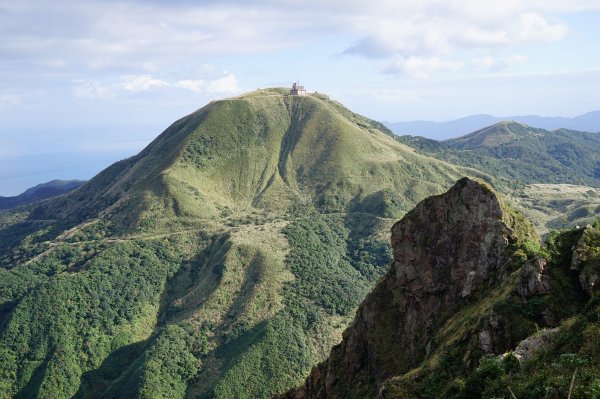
point(530, 346)
point(534, 278)
point(586, 259)
point(448, 252)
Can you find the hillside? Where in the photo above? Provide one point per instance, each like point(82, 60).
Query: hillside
point(522, 159)
point(521, 153)
point(40, 192)
point(472, 307)
point(222, 261)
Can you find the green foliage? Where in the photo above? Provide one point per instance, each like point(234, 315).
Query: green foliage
point(68, 323)
point(97, 230)
point(101, 309)
point(521, 153)
point(335, 264)
point(276, 359)
point(170, 362)
point(330, 272)
point(490, 380)
point(588, 253)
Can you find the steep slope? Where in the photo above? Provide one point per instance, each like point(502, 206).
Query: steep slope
point(521, 153)
point(222, 261)
point(449, 252)
point(40, 192)
point(467, 283)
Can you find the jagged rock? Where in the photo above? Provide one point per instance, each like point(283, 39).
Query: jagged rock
point(534, 279)
point(586, 259)
point(485, 342)
point(531, 345)
point(448, 252)
point(468, 286)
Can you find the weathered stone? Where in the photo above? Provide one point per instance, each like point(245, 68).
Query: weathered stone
point(468, 285)
point(531, 345)
point(485, 342)
point(586, 259)
point(534, 279)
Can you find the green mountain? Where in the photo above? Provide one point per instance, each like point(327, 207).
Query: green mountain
point(521, 153)
point(472, 307)
point(40, 192)
point(553, 176)
point(222, 261)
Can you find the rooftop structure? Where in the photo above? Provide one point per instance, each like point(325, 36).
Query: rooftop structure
point(297, 90)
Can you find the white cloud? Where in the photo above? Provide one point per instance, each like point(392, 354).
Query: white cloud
point(90, 90)
point(158, 45)
point(220, 85)
point(150, 36)
point(533, 27)
point(428, 34)
point(214, 83)
point(490, 63)
point(422, 68)
point(141, 82)
point(225, 84)
point(196, 86)
point(9, 99)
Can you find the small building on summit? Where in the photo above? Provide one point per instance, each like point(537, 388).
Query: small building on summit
point(297, 90)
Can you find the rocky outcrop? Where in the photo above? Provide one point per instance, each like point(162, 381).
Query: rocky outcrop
point(448, 252)
point(586, 259)
point(534, 278)
point(531, 345)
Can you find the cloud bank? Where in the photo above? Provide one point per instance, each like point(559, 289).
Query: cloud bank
point(140, 37)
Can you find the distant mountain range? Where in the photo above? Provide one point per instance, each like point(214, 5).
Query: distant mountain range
point(520, 153)
point(589, 122)
point(40, 192)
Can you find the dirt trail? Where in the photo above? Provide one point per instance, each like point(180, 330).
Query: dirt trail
point(55, 243)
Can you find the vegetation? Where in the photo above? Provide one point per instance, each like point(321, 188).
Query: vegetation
point(65, 325)
point(218, 242)
point(522, 154)
point(332, 274)
point(222, 261)
point(40, 192)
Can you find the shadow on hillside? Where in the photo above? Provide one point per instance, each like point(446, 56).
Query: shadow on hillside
point(95, 382)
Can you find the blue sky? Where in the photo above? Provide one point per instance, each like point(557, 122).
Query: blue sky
point(85, 83)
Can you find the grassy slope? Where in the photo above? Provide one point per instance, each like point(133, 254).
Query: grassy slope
point(223, 237)
point(522, 153)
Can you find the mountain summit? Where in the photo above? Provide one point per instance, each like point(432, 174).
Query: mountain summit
point(493, 136)
point(265, 150)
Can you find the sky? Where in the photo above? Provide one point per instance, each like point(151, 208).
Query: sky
point(86, 83)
